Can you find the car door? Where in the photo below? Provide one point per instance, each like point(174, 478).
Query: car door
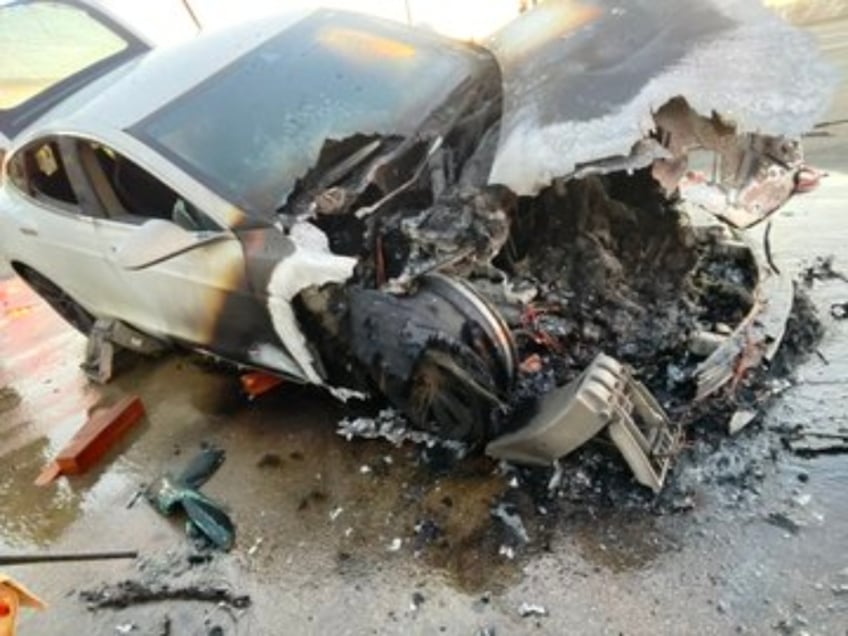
point(182, 275)
point(53, 231)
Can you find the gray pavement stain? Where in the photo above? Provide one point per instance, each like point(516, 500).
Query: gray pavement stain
point(623, 542)
point(315, 530)
point(33, 516)
point(9, 399)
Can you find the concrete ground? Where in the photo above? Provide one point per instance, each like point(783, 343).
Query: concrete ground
point(318, 516)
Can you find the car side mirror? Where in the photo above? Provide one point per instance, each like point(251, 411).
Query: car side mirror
point(158, 240)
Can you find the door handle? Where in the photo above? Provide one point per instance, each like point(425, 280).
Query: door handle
point(29, 231)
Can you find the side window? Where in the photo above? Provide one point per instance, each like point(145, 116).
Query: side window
point(49, 49)
point(129, 193)
point(42, 44)
point(39, 171)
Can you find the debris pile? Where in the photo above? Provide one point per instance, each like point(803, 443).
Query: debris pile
point(131, 592)
point(391, 426)
point(808, 441)
point(620, 270)
point(607, 267)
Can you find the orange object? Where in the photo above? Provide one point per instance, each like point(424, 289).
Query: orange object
point(808, 179)
point(103, 429)
point(13, 595)
point(50, 472)
point(531, 364)
point(256, 383)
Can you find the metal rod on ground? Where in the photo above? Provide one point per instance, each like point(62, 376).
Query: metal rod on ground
point(23, 559)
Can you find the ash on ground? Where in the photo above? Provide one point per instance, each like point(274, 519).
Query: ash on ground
point(610, 265)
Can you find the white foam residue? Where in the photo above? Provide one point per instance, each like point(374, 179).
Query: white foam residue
point(311, 263)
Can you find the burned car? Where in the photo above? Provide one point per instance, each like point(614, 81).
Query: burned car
point(352, 203)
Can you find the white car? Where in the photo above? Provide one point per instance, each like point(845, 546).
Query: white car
point(257, 192)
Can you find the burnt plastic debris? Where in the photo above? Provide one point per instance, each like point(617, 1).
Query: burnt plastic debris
point(130, 593)
point(206, 517)
point(604, 396)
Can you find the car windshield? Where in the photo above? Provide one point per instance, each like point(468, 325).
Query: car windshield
point(252, 129)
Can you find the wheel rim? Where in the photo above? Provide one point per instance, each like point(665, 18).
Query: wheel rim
point(472, 305)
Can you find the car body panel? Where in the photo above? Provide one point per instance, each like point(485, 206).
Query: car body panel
point(583, 78)
point(37, 236)
point(180, 296)
point(200, 297)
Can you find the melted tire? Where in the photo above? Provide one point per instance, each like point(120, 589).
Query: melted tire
point(441, 355)
point(452, 394)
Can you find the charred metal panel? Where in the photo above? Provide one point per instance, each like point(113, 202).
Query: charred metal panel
point(582, 79)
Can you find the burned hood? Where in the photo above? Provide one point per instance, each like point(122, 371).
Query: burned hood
point(582, 80)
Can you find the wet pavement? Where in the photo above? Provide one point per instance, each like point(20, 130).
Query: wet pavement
point(359, 537)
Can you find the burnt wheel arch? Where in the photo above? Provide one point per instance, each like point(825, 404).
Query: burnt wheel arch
point(60, 301)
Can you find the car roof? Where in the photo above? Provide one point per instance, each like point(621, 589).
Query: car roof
point(126, 95)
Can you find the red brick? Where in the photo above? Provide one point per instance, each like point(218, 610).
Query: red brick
point(103, 429)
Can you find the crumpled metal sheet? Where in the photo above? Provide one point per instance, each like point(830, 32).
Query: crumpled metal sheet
point(758, 337)
point(582, 79)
